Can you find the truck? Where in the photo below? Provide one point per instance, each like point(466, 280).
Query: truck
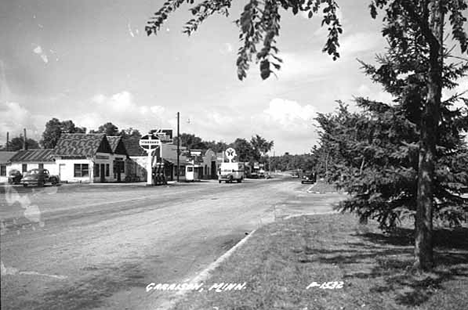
point(230, 172)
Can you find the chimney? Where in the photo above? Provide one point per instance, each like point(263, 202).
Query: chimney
point(7, 141)
point(25, 145)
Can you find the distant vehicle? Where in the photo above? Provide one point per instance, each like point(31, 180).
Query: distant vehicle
point(39, 177)
point(261, 173)
point(253, 175)
point(14, 177)
point(230, 172)
point(310, 177)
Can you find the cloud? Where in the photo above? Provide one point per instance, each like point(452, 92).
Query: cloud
point(288, 123)
point(297, 65)
point(373, 93)
point(317, 64)
point(288, 116)
point(122, 110)
point(360, 42)
point(16, 117)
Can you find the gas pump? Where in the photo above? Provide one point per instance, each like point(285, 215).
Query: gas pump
point(159, 177)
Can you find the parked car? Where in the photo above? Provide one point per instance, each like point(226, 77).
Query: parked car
point(14, 177)
point(309, 178)
point(39, 177)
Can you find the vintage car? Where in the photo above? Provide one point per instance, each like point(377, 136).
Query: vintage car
point(14, 177)
point(310, 177)
point(39, 177)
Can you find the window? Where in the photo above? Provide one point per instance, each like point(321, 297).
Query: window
point(24, 168)
point(119, 166)
point(41, 166)
point(81, 170)
point(107, 170)
point(96, 170)
point(3, 170)
point(189, 169)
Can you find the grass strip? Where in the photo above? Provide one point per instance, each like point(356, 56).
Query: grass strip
point(281, 261)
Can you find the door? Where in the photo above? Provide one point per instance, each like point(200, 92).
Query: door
point(103, 173)
point(213, 170)
point(61, 171)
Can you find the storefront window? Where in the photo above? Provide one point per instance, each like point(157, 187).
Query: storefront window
point(181, 171)
point(107, 170)
point(81, 170)
point(3, 170)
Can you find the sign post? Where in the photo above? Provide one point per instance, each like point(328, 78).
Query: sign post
point(149, 143)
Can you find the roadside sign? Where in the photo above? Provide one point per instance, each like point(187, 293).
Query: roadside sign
point(230, 153)
point(149, 142)
point(164, 135)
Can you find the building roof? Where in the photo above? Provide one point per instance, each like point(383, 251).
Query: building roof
point(113, 141)
point(6, 156)
point(133, 148)
point(117, 145)
point(81, 145)
point(38, 155)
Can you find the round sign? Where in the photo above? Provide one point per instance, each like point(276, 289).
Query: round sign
point(150, 142)
point(230, 153)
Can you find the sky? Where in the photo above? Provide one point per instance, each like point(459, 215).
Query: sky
point(90, 61)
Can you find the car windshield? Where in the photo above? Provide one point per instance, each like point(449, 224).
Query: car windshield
point(32, 172)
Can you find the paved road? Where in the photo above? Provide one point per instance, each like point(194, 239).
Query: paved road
point(99, 246)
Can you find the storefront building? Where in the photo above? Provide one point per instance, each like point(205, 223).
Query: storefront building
point(84, 158)
point(26, 160)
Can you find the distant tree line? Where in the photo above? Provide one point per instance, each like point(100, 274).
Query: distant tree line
point(252, 151)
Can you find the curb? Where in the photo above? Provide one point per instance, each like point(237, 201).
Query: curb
point(309, 190)
point(308, 214)
point(204, 274)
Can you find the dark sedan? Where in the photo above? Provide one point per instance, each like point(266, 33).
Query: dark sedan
point(39, 177)
point(14, 177)
point(309, 178)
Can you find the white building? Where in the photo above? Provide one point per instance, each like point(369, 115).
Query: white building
point(5, 165)
point(26, 160)
point(84, 158)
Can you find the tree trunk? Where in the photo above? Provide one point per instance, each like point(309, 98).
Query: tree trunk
point(423, 250)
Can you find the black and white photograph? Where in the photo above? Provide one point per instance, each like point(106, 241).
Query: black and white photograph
point(234, 154)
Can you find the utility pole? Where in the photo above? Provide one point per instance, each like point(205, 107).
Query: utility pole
point(25, 146)
point(178, 145)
